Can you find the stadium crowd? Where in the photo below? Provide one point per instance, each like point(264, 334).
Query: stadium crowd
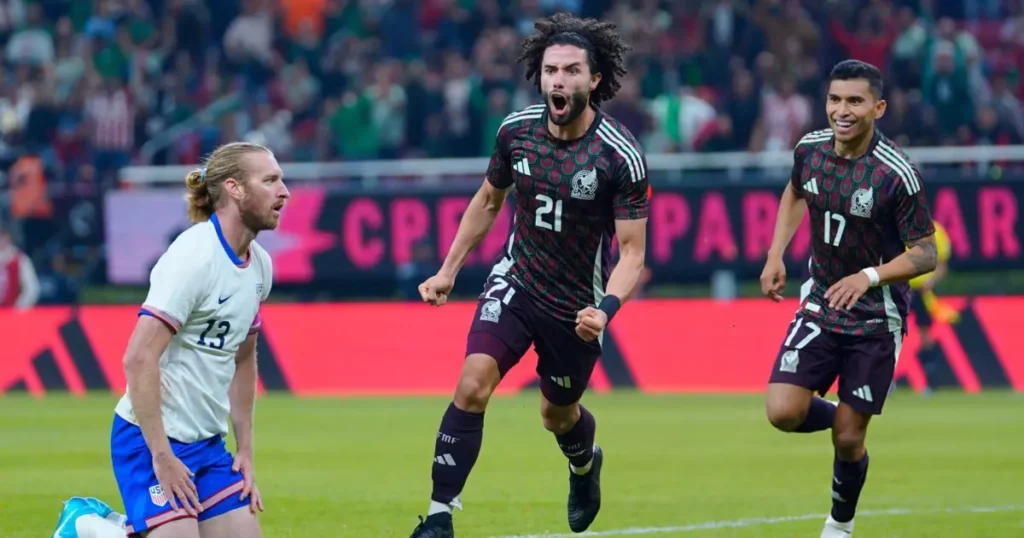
point(90, 86)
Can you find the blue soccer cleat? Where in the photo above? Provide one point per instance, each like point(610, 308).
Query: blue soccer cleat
point(76, 507)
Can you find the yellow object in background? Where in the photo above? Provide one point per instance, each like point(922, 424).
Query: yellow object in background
point(943, 247)
point(939, 310)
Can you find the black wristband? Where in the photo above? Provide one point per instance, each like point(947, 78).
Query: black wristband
point(610, 305)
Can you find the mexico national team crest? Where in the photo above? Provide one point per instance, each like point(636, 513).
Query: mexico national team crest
point(584, 185)
point(790, 361)
point(491, 311)
point(156, 494)
point(862, 202)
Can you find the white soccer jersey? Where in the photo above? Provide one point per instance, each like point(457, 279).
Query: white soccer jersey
point(211, 299)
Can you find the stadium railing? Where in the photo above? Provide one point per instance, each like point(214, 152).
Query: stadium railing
point(671, 166)
point(204, 117)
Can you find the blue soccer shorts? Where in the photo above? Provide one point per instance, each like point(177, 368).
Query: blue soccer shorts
point(146, 506)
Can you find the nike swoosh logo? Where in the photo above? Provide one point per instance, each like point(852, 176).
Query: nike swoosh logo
point(222, 300)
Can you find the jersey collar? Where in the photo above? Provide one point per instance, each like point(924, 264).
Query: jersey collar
point(598, 117)
point(227, 247)
point(876, 137)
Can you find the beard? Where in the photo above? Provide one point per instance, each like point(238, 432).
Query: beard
point(575, 104)
point(254, 219)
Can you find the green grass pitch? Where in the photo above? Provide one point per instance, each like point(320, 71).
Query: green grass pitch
point(951, 466)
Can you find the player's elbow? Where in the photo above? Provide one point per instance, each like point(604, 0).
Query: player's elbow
point(928, 261)
point(631, 256)
point(137, 361)
point(491, 198)
point(146, 345)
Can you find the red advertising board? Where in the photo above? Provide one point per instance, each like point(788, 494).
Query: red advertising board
point(654, 345)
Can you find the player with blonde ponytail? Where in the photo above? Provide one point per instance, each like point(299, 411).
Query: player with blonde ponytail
point(191, 363)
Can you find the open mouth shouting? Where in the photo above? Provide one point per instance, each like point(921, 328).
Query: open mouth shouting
point(559, 103)
point(277, 208)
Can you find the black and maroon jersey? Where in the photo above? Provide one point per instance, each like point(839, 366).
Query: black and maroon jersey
point(863, 212)
point(568, 195)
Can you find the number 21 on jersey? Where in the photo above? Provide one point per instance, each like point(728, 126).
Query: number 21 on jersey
point(835, 224)
point(551, 207)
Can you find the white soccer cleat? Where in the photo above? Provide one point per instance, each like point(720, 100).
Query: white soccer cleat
point(835, 529)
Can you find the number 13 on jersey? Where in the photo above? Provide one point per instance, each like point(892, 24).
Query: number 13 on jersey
point(551, 207)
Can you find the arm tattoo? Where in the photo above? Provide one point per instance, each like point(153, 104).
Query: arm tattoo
point(923, 254)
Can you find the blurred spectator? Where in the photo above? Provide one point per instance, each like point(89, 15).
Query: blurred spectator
point(109, 82)
point(19, 285)
point(89, 87)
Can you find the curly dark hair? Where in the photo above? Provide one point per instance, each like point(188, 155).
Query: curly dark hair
point(606, 51)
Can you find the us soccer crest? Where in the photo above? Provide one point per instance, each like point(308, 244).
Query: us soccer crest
point(862, 202)
point(491, 311)
point(156, 494)
point(584, 185)
point(259, 289)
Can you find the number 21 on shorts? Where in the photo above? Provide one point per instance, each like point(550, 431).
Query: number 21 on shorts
point(551, 207)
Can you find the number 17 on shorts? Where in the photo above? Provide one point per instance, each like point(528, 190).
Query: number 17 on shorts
point(814, 358)
point(808, 357)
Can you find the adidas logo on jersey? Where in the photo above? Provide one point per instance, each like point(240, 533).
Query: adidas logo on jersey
point(811, 186)
point(523, 167)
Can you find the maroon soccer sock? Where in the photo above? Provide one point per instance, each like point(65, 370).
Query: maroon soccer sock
point(848, 479)
point(578, 443)
point(455, 452)
point(820, 416)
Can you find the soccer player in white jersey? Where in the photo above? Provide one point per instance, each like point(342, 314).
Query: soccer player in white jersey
point(191, 361)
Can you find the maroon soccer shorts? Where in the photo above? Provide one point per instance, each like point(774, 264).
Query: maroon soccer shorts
point(507, 321)
point(812, 357)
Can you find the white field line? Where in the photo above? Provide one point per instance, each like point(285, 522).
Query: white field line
point(759, 521)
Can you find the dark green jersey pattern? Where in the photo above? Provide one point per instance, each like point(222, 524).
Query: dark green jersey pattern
point(862, 213)
point(568, 195)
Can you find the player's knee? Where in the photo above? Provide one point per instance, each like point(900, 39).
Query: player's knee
point(472, 394)
point(479, 378)
point(847, 440)
point(785, 415)
point(558, 419)
point(785, 419)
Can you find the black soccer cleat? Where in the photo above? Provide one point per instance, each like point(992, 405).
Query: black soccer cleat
point(435, 526)
point(585, 494)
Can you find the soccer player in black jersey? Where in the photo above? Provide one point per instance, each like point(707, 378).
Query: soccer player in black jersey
point(871, 233)
point(579, 178)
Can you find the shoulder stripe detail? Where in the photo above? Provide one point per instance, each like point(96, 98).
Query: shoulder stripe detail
point(629, 153)
point(817, 134)
point(530, 110)
point(826, 130)
point(900, 165)
point(520, 116)
point(809, 139)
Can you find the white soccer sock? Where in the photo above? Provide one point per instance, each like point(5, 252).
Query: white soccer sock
point(442, 508)
point(835, 529)
point(582, 470)
point(93, 526)
point(439, 508)
point(118, 519)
